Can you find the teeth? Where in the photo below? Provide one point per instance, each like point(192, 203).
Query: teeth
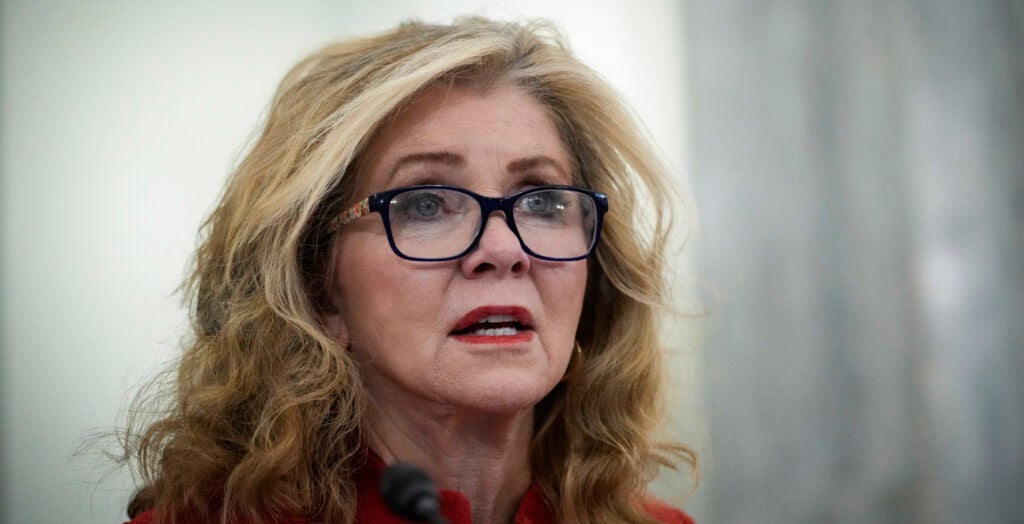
point(495, 319)
point(500, 332)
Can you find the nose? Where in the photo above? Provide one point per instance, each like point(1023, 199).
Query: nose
point(497, 251)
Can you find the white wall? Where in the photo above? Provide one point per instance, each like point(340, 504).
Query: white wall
point(119, 122)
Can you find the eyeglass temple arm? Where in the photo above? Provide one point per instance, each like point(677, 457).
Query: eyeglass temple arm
point(360, 209)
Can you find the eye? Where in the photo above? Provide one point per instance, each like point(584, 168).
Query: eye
point(419, 205)
point(427, 205)
point(548, 203)
point(538, 203)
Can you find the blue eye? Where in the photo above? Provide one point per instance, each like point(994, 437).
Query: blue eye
point(537, 203)
point(543, 204)
point(427, 207)
point(419, 205)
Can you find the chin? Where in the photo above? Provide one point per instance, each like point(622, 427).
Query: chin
point(506, 395)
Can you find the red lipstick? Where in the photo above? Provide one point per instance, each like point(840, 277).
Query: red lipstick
point(494, 325)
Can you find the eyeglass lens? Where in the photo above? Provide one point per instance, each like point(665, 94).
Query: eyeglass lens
point(441, 223)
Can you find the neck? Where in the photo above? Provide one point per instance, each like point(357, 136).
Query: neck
point(484, 456)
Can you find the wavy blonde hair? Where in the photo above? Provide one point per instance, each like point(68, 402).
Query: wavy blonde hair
point(261, 417)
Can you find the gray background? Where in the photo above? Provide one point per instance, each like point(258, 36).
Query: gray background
point(860, 171)
point(858, 166)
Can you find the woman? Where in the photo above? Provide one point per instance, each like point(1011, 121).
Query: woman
point(414, 263)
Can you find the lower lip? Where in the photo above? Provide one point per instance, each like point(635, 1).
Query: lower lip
point(518, 338)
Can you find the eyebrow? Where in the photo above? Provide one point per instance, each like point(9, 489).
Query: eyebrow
point(451, 159)
point(434, 157)
point(526, 164)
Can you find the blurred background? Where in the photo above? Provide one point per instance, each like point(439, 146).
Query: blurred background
point(858, 168)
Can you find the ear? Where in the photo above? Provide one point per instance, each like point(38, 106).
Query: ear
point(336, 328)
point(333, 316)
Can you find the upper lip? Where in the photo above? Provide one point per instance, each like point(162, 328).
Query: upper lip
point(519, 315)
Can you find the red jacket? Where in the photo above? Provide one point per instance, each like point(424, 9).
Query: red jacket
point(533, 509)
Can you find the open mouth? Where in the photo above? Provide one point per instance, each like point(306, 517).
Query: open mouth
point(493, 326)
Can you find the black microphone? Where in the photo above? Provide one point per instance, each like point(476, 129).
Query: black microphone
point(409, 492)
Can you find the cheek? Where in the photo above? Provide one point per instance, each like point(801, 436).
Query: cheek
point(562, 291)
point(374, 289)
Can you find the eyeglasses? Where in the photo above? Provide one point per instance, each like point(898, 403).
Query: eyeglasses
point(437, 222)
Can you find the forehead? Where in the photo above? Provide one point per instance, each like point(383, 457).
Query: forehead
point(478, 132)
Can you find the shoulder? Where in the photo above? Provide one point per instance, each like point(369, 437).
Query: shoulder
point(662, 512)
